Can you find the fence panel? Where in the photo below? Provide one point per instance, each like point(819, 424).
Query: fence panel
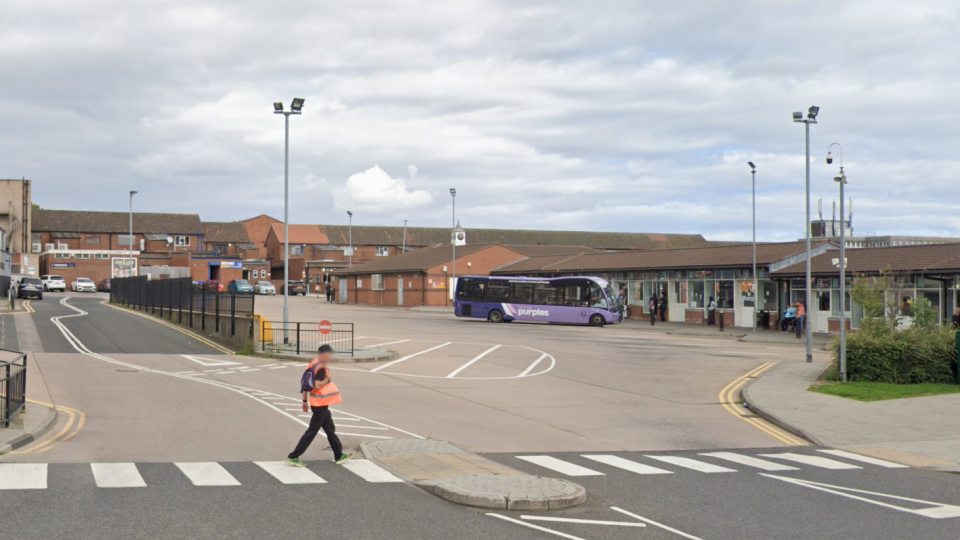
point(305, 338)
point(13, 385)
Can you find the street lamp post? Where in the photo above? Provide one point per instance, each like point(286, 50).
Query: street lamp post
point(295, 108)
point(405, 235)
point(842, 180)
point(453, 240)
point(132, 193)
point(753, 189)
point(350, 240)
point(810, 119)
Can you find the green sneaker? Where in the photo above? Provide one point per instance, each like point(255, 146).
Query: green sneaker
point(296, 462)
point(344, 458)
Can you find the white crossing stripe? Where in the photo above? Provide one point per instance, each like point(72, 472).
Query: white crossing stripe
point(689, 463)
point(560, 466)
point(864, 459)
point(751, 461)
point(207, 474)
point(370, 471)
point(290, 474)
point(626, 464)
point(23, 476)
point(815, 461)
point(117, 475)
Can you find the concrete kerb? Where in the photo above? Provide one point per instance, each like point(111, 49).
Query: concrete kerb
point(496, 487)
point(359, 356)
point(30, 433)
point(772, 418)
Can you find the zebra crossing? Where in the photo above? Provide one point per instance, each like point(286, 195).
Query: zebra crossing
point(34, 476)
point(707, 462)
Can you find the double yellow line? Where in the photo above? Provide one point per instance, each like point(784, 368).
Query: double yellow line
point(172, 326)
point(64, 435)
point(28, 307)
point(728, 398)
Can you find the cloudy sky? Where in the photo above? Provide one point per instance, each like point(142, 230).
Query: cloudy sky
point(602, 115)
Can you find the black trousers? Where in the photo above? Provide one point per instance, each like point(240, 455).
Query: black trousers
point(663, 314)
point(321, 419)
point(653, 318)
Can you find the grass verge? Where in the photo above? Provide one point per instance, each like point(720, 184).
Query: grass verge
point(872, 391)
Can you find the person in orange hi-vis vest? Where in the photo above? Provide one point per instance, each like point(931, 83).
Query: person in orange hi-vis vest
point(323, 394)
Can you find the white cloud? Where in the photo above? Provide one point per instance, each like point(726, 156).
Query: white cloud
point(374, 192)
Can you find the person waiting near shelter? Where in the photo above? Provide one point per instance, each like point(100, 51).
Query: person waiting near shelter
point(711, 312)
point(956, 318)
point(662, 307)
point(789, 317)
point(653, 309)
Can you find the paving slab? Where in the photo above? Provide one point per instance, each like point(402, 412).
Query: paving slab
point(464, 478)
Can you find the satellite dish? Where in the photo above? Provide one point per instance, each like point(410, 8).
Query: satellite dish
point(169, 239)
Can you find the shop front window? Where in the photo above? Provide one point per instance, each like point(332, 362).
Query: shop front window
point(696, 294)
point(724, 294)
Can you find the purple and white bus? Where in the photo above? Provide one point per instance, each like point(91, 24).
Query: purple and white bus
point(568, 300)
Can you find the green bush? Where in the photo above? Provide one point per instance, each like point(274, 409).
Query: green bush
point(920, 354)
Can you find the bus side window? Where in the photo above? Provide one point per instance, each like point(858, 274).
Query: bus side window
point(572, 297)
point(497, 291)
point(546, 294)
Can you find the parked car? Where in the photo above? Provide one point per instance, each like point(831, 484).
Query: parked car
point(213, 286)
point(83, 284)
point(297, 287)
point(240, 285)
point(105, 285)
point(30, 287)
point(264, 287)
point(53, 283)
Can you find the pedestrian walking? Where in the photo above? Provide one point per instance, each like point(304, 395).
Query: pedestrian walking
point(329, 293)
point(956, 317)
point(319, 288)
point(653, 310)
point(662, 308)
point(319, 392)
point(711, 312)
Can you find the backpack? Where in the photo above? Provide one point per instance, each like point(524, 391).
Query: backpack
point(308, 379)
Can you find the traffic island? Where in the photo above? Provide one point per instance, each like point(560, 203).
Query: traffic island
point(461, 477)
point(358, 356)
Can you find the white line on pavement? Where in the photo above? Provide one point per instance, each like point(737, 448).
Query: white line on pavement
point(562, 467)
point(370, 471)
point(815, 461)
point(537, 527)
point(751, 461)
point(655, 524)
point(409, 356)
point(471, 362)
point(280, 367)
point(364, 435)
point(626, 464)
point(23, 476)
point(583, 521)
point(387, 343)
point(117, 475)
point(692, 464)
point(290, 474)
point(533, 365)
point(864, 459)
point(207, 474)
point(248, 370)
point(348, 426)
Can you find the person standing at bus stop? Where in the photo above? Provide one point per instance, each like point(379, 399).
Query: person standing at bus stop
point(653, 309)
point(662, 307)
point(711, 312)
point(324, 394)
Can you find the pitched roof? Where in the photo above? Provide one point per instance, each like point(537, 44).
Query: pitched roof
point(923, 258)
point(539, 251)
point(301, 234)
point(225, 232)
point(419, 260)
point(114, 222)
point(692, 258)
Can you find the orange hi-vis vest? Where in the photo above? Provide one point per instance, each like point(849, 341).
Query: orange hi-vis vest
point(326, 395)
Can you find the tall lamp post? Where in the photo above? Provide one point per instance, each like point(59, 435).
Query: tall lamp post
point(810, 119)
point(842, 180)
point(453, 240)
point(350, 239)
point(295, 108)
point(133, 267)
point(405, 235)
point(753, 189)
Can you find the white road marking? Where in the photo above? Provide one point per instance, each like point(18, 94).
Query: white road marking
point(267, 365)
point(350, 426)
point(370, 471)
point(583, 521)
point(815, 461)
point(537, 527)
point(693, 464)
point(409, 356)
point(626, 464)
point(208, 362)
point(364, 435)
point(387, 343)
point(23, 476)
point(752, 353)
point(751, 461)
point(191, 372)
point(207, 474)
point(562, 467)
point(290, 474)
point(935, 510)
point(655, 524)
point(117, 475)
point(248, 370)
point(280, 367)
point(533, 365)
point(471, 362)
point(864, 459)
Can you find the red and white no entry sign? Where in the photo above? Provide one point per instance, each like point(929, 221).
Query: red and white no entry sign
point(325, 327)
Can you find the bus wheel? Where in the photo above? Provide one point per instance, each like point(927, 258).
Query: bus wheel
point(596, 320)
point(495, 316)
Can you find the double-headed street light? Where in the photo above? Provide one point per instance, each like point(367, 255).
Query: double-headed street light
point(810, 119)
point(295, 108)
point(842, 180)
point(753, 188)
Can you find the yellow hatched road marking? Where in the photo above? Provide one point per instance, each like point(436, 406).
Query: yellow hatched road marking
point(728, 398)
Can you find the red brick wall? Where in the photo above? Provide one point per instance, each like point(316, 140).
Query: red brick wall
point(95, 269)
point(257, 229)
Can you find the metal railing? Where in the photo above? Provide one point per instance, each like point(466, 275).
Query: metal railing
point(13, 385)
point(301, 337)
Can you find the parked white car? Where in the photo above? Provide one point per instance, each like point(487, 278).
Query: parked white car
point(84, 285)
point(265, 287)
point(53, 283)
